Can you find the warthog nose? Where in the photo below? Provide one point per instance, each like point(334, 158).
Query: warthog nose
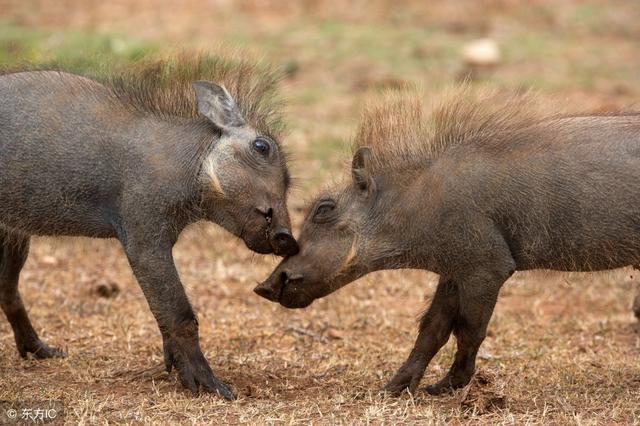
point(265, 290)
point(273, 287)
point(284, 244)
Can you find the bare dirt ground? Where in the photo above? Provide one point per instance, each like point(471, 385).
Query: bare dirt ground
point(562, 349)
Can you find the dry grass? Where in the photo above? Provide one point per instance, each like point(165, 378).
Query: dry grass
point(561, 349)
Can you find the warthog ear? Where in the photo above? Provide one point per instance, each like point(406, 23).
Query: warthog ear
point(361, 171)
point(215, 103)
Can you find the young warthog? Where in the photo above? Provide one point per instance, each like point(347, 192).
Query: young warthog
point(487, 187)
point(138, 157)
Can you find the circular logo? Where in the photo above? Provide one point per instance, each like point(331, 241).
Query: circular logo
point(12, 414)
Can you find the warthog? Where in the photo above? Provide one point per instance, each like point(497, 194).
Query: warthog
point(488, 186)
point(138, 156)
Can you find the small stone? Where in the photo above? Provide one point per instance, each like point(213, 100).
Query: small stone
point(49, 260)
point(482, 52)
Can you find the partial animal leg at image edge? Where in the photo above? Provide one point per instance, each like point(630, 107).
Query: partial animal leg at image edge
point(13, 253)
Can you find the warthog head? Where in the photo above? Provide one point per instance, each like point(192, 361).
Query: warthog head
point(343, 238)
point(244, 176)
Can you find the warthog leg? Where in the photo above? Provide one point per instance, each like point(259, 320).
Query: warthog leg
point(13, 253)
point(153, 265)
point(435, 328)
point(478, 296)
point(463, 304)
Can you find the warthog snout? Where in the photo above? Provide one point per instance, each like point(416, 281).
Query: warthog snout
point(274, 233)
point(277, 284)
point(283, 243)
point(271, 288)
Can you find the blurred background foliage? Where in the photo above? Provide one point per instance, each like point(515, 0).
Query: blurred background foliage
point(336, 55)
point(78, 49)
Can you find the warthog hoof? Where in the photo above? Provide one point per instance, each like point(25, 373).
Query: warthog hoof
point(193, 370)
point(39, 350)
point(407, 377)
point(448, 384)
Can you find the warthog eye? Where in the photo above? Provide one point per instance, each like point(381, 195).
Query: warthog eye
point(261, 145)
point(323, 210)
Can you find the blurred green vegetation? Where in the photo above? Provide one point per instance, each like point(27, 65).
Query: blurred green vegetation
point(550, 53)
point(79, 51)
point(333, 64)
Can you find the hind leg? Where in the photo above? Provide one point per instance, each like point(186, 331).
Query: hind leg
point(13, 253)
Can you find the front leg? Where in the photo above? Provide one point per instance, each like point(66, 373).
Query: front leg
point(463, 303)
point(476, 303)
point(153, 266)
point(478, 294)
point(435, 328)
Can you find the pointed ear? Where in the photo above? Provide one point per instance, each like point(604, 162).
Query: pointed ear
point(361, 171)
point(216, 104)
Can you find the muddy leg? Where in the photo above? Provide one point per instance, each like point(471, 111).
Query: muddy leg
point(13, 253)
point(435, 328)
point(153, 266)
point(478, 296)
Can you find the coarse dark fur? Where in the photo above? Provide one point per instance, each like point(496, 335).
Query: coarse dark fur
point(486, 185)
point(138, 154)
point(163, 86)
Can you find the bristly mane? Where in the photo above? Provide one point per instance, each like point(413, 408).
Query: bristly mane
point(163, 87)
point(403, 134)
